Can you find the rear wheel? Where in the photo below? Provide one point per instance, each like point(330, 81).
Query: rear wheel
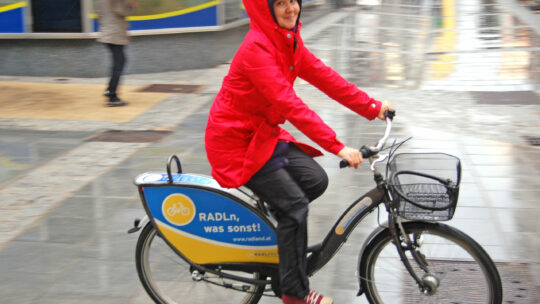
point(169, 279)
point(459, 270)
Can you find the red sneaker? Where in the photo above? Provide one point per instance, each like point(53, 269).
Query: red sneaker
point(316, 298)
point(291, 300)
point(312, 298)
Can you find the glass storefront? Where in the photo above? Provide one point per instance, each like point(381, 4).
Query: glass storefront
point(58, 16)
point(78, 16)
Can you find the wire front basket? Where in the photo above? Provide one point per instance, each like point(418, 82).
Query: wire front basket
point(425, 186)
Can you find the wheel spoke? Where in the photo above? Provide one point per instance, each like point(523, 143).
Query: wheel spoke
point(168, 278)
point(458, 269)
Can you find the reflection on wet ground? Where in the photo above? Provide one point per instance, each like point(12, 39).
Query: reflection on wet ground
point(451, 45)
point(21, 151)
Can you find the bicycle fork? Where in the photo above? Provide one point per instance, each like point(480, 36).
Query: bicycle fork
point(429, 283)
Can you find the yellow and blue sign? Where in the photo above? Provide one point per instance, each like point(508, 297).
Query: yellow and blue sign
point(205, 225)
point(200, 15)
point(178, 209)
point(12, 18)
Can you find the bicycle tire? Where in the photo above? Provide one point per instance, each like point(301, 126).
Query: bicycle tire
point(167, 277)
point(465, 271)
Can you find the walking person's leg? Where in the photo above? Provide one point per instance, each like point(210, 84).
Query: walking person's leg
point(118, 63)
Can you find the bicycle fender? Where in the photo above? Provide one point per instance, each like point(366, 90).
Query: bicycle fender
point(370, 237)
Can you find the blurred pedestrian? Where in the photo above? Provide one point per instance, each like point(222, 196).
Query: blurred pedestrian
point(246, 146)
point(113, 33)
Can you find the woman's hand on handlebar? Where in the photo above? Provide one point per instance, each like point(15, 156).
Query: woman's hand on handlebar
point(353, 156)
point(386, 105)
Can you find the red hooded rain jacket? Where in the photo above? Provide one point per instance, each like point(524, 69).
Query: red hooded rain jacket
point(257, 96)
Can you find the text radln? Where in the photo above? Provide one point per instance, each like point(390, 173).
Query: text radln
point(217, 217)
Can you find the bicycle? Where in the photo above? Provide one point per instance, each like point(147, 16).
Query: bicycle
point(225, 249)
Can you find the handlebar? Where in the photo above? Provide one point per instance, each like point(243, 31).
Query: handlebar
point(368, 151)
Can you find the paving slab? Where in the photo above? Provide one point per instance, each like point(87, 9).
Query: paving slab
point(70, 101)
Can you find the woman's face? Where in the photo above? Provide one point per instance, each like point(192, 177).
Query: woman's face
point(286, 12)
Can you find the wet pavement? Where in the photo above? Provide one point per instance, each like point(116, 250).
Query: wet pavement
point(452, 45)
point(68, 197)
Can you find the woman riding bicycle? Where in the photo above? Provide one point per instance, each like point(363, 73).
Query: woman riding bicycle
point(246, 146)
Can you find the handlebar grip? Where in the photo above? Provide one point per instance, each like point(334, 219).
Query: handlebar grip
point(390, 114)
point(366, 153)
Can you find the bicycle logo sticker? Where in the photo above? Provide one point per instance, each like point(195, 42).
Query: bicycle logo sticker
point(178, 209)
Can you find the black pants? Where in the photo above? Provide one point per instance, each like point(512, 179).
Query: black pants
point(118, 63)
point(288, 191)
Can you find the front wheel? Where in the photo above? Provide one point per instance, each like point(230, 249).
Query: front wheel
point(168, 279)
point(458, 269)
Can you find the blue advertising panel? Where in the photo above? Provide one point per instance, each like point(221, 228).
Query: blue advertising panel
point(205, 225)
point(208, 215)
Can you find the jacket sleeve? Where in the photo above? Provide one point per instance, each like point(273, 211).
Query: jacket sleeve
point(263, 71)
point(121, 8)
point(314, 71)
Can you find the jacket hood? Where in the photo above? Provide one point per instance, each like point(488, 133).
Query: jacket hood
point(261, 16)
point(271, 7)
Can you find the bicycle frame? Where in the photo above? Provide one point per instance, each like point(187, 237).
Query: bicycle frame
point(337, 236)
point(320, 254)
